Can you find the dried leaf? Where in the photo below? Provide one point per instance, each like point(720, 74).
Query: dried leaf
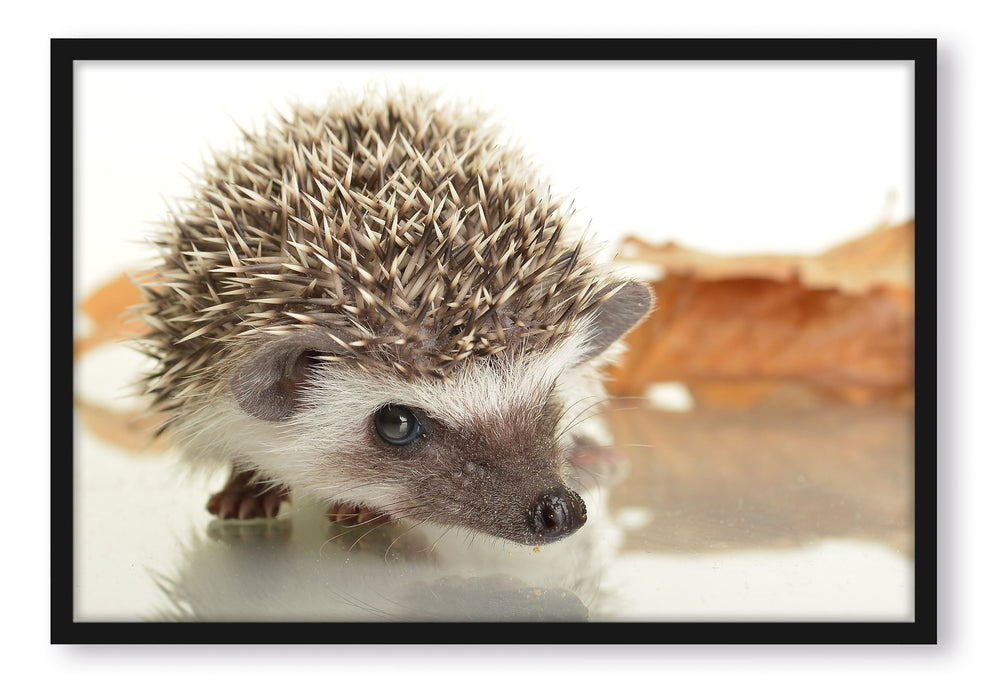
point(842, 322)
point(108, 309)
point(882, 258)
point(129, 430)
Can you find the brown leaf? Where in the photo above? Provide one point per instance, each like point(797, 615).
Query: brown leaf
point(108, 308)
point(129, 430)
point(882, 258)
point(842, 322)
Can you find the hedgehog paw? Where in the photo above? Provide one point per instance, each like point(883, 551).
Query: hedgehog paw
point(244, 497)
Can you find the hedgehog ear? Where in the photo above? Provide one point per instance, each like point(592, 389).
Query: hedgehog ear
point(269, 385)
point(615, 316)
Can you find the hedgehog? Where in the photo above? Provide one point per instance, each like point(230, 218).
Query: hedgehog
point(378, 304)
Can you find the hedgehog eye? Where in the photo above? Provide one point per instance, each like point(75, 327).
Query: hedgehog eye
point(397, 425)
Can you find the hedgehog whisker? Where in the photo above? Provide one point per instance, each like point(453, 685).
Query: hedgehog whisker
point(584, 414)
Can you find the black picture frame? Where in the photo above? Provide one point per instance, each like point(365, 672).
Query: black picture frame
point(921, 52)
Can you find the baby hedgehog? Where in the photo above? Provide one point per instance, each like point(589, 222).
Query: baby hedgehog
point(376, 304)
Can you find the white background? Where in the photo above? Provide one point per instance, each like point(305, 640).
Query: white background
point(957, 664)
point(727, 157)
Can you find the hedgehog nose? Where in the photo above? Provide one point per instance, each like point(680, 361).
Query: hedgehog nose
point(557, 513)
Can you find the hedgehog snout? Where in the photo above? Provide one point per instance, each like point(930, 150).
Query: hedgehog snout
point(557, 513)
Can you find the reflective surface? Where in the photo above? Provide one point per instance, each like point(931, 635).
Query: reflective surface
point(776, 513)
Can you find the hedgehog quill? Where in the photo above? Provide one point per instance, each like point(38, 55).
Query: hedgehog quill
point(378, 304)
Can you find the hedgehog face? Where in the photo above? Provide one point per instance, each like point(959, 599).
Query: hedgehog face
point(502, 476)
point(483, 447)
